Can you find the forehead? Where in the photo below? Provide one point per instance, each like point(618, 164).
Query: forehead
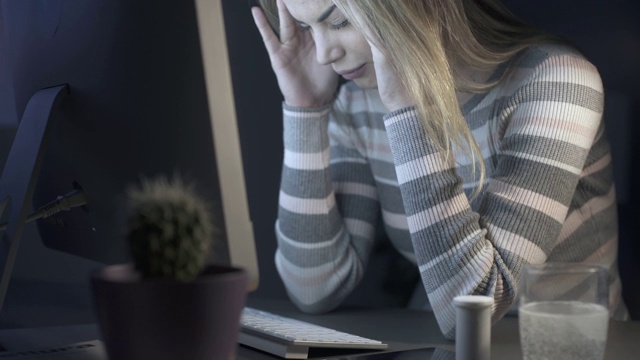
point(307, 10)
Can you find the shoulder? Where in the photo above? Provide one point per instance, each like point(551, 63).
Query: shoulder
point(559, 64)
point(554, 73)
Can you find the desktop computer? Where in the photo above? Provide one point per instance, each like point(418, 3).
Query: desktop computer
point(109, 92)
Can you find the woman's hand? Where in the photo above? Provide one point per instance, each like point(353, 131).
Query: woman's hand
point(303, 81)
point(392, 93)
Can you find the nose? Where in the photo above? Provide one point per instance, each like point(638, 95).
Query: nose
point(328, 49)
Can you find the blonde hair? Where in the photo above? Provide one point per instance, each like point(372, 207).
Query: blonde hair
point(270, 9)
point(431, 45)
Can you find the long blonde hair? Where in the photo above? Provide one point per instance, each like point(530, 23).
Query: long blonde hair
point(432, 44)
point(270, 9)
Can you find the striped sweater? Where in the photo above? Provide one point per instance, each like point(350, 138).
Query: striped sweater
point(548, 195)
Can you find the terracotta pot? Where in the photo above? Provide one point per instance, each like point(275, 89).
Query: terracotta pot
point(167, 319)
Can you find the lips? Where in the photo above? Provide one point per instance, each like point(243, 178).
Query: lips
point(353, 73)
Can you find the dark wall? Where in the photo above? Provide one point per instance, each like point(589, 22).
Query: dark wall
point(50, 287)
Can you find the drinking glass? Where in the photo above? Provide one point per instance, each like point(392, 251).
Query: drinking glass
point(563, 312)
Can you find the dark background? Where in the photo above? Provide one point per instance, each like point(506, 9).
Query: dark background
point(608, 33)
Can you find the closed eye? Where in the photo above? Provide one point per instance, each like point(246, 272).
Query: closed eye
point(339, 26)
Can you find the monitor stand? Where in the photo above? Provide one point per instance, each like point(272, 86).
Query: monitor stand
point(21, 172)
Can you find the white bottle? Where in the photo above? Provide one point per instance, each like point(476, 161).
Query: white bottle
point(473, 327)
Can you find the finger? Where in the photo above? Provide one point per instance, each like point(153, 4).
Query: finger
point(288, 26)
point(269, 37)
point(377, 52)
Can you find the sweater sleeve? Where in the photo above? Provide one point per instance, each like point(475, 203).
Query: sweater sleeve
point(327, 210)
point(553, 118)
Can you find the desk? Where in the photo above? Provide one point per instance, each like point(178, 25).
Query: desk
point(405, 329)
point(401, 329)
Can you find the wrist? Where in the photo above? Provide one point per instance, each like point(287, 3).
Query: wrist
point(307, 104)
point(394, 102)
point(305, 109)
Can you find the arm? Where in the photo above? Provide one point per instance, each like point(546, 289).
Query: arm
point(327, 210)
point(327, 199)
point(551, 123)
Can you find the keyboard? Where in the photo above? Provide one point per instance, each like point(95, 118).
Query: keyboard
point(292, 339)
point(88, 350)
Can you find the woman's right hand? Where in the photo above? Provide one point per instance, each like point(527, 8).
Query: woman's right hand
point(303, 81)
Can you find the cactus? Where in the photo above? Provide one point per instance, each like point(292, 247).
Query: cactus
point(170, 229)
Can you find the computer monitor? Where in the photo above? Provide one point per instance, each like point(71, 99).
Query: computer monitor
point(110, 91)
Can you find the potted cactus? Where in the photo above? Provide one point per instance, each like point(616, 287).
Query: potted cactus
point(168, 304)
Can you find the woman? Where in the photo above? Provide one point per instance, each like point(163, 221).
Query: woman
point(475, 139)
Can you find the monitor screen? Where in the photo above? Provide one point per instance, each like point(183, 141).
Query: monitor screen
point(149, 93)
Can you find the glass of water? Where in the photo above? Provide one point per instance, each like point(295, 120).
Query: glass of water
point(563, 312)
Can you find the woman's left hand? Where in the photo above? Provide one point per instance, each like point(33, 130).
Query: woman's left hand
point(392, 92)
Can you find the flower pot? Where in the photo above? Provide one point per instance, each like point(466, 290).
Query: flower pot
point(164, 319)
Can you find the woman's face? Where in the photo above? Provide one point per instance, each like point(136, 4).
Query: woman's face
point(338, 42)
